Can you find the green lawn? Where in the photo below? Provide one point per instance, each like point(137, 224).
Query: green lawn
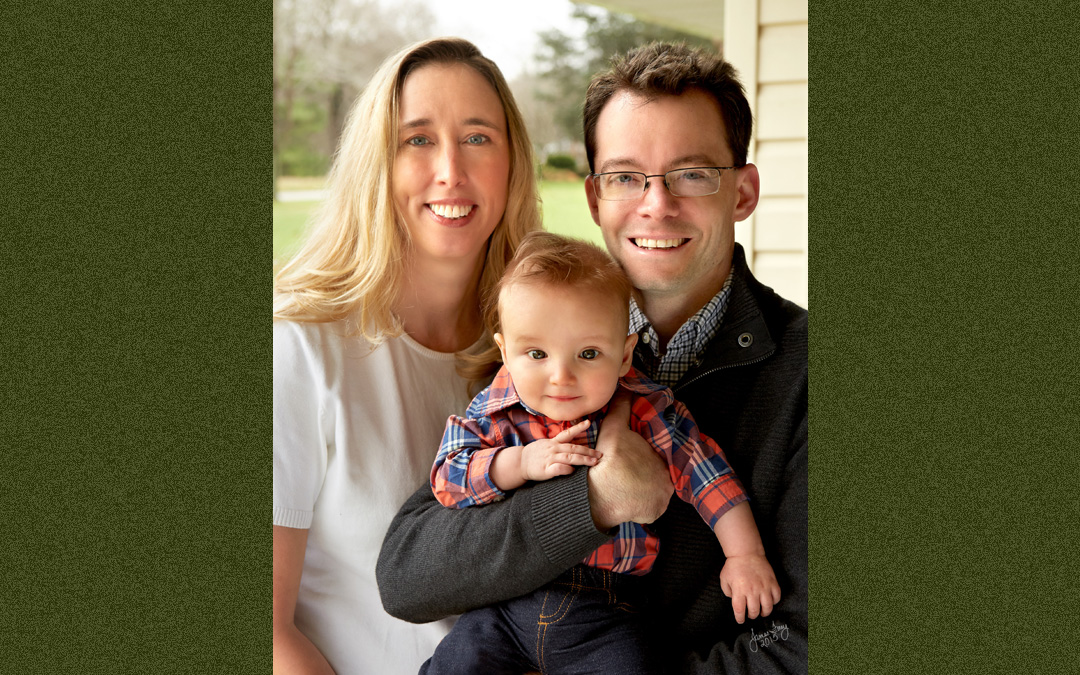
point(565, 212)
point(289, 221)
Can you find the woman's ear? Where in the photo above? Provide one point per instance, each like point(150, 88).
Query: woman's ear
point(628, 354)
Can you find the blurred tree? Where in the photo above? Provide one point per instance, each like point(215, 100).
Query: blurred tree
point(325, 51)
point(566, 64)
point(538, 111)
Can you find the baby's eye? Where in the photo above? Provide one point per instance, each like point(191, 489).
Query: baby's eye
point(536, 354)
point(477, 139)
point(589, 354)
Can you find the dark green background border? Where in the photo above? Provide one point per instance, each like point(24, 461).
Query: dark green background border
point(135, 264)
point(136, 273)
point(943, 165)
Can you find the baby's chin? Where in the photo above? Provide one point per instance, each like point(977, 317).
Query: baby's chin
point(558, 414)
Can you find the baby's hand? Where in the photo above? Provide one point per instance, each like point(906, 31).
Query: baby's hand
point(550, 457)
point(750, 583)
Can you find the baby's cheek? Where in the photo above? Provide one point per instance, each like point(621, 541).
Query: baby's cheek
point(606, 389)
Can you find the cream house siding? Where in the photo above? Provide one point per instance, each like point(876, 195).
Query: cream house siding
point(766, 40)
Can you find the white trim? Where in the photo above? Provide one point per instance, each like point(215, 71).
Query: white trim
point(741, 51)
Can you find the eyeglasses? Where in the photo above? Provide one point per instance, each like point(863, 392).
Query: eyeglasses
point(698, 181)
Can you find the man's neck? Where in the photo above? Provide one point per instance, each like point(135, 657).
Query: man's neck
point(668, 312)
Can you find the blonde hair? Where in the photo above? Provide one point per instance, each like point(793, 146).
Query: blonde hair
point(351, 265)
point(554, 260)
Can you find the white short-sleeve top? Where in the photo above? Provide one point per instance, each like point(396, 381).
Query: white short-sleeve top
point(355, 434)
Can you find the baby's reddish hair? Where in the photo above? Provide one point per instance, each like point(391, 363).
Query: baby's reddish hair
point(554, 260)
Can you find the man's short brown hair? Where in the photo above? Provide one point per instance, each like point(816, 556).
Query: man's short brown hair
point(666, 69)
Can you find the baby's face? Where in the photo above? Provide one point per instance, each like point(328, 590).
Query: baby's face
point(565, 347)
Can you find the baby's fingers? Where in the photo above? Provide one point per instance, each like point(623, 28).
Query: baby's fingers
point(766, 603)
point(558, 469)
point(571, 449)
point(753, 605)
point(738, 603)
point(770, 596)
point(570, 433)
point(574, 459)
point(577, 454)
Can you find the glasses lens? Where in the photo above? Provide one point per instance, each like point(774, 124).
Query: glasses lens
point(693, 182)
point(620, 186)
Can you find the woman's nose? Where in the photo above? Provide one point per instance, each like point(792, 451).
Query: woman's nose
point(450, 170)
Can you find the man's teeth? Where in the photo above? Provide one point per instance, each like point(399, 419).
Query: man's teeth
point(447, 211)
point(658, 243)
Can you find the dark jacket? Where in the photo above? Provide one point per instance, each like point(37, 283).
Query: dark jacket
point(750, 394)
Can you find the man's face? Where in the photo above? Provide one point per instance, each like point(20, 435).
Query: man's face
point(670, 246)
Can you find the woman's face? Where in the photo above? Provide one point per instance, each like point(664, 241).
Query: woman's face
point(452, 165)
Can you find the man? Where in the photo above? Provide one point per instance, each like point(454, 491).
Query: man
point(666, 132)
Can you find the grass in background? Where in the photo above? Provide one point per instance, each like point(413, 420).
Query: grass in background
point(290, 219)
point(565, 212)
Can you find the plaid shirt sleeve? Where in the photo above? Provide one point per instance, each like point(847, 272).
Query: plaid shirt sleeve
point(699, 469)
point(461, 474)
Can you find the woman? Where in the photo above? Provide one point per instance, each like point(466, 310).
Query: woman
point(430, 193)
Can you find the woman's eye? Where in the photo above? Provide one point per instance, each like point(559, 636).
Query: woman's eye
point(477, 139)
point(589, 354)
point(418, 140)
point(536, 354)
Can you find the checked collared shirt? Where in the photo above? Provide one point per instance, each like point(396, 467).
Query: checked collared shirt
point(497, 419)
point(686, 346)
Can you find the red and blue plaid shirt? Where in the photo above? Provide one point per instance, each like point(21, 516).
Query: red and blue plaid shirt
point(497, 419)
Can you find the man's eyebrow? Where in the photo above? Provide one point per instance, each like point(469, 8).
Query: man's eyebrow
point(616, 163)
point(627, 164)
point(698, 159)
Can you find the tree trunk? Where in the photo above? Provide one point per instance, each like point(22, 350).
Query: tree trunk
point(336, 120)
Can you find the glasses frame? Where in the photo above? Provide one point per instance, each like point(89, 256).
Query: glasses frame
point(647, 176)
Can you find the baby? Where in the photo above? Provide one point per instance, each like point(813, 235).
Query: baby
point(562, 321)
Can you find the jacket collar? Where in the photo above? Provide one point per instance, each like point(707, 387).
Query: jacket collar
point(743, 336)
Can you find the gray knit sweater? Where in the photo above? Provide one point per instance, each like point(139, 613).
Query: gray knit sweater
point(752, 400)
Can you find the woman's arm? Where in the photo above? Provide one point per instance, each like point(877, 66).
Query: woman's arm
point(293, 652)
